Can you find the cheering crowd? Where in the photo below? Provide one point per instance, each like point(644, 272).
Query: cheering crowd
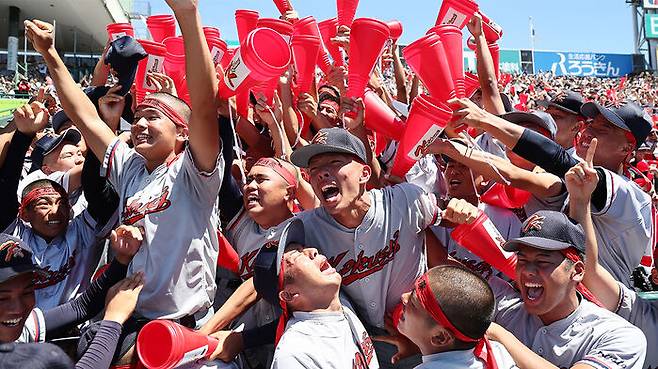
point(237, 221)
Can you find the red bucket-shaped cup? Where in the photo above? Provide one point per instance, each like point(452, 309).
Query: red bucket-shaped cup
point(427, 58)
point(483, 240)
point(451, 38)
point(242, 104)
point(161, 26)
point(212, 31)
point(346, 9)
point(456, 12)
point(472, 83)
point(494, 49)
point(217, 48)
point(305, 49)
point(284, 28)
point(153, 63)
point(492, 31)
point(308, 26)
point(163, 344)
point(283, 6)
point(506, 197)
point(118, 30)
point(174, 62)
point(263, 55)
point(380, 118)
point(395, 27)
point(425, 123)
point(230, 52)
point(328, 29)
point(367, 39)
point(245, 21)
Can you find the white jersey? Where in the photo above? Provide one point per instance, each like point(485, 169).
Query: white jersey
point(66, 264)
point(590, 335)
point(34, 330)
point(506, 222)
point(465, 359)
point(381, 258)
point(644, 315)
point(176, 206)
point(326, 340)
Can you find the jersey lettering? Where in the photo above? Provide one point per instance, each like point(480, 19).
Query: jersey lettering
point(135, 211)
point(246, 264)
point(367, 349)
point(363, 265)
point(44, 277)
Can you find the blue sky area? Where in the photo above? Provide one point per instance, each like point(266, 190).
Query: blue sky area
point(560, 25)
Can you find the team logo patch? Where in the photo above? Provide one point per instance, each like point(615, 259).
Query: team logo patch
point(230, 73)
point(320, 138)
point(13, 250)
point(535, 222)
point(136, 209)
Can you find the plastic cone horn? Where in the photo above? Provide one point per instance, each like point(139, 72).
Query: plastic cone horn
point(380, 118)
point(456, 12)
point(245, 21)
point(305, 50)
point(309, 26)
point(283, 6)
point(451, 37)
point(395, 28)
point(367, 39)
point(346, 10)
point(328, 29)
point(427, 58)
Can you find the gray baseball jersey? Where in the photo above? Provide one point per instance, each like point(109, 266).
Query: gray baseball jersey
point(34, 329)
point(176, 206)
point(66, 264)
point(507, 223)
point(326, 340)
point(466, 359)
point(381, 258)
point(644, 315)
point(590, 335)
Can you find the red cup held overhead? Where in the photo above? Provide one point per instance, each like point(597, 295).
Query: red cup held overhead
point(212, 31)
point(451, 38)
point(507, 197)
point(217, 48)
point(163, 344)
point(153, 63)
point(367, 39)
point(427, 58)
point(283, 6)
point(305, 49)
point(328, 29)
point(472, 83)
point(118, 30)
point(492, 31)
point(380, 118)
point(456, 12)
point(245, 21)
point(161, 26)
point(282, 27)
point(395, 27)
point(483, 240)
point(346, 10)
point(308, 26)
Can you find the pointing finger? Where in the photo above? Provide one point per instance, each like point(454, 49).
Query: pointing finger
point(589, 158)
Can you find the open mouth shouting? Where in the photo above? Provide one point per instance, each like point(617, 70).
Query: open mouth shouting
point(252, 200)
point(330, 193)
point(326, 268)
point(454, 183)
point(533, 292)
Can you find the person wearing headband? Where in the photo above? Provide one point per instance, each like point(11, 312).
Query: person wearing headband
point(446, 315)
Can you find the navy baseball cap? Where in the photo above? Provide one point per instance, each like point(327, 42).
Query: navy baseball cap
point(34, 355)
point(267, 265)
point(58, 120)
point(567, 101)
point(535, 117)
point(123, 56)
point(626, 115)
point(48, 143)
point(15, 257)
point(549, 230)
point(334, 140)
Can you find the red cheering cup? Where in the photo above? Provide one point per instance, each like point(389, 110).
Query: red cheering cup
point(212, 31)
point(494, 49)
point(305, 50)
point(456, 12)
point(483, 239)
point(395, 27)
point(328, 29)
point(161, 26)
point(242, 104)
point(283, 6)
point(245, 21)
point(367, 39)
point(472, 83)
point(263, 55)
point(174, 63)
point(308, 26)
point(346, 10)
point(217, 48)
point(282, 27)
point(163, 344)
point(425, 123)
point(451, 38)
point(153, 63)
point(492, 31)
point(118, 30)
point(228, 57)
point(380, 118)
point(427, 58)
point(506, 197)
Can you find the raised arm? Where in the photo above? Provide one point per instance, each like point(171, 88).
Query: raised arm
point(202, 85)
point(491, 100)
point(76, 104)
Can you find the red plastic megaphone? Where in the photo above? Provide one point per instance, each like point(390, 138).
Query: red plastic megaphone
point(308, 26)
point(242, 104)
point(282, 27)
point(328, 29)
point(217, 48)
point(427, 58)
point(163, 344)
point(245, 21)
point(367, 39)
point(451, 37)
point(492, 31)
point(380, 118)
point(283, 6)
point(506, 197)
point(118, 30)
point(174, 63)
point(456, 12)
point(395, 27)
point(346, 10)
point(212, 31)
point(262, 56)
point(472, 83)
point(425, 123)
point(305, 50)
point(230, 52)
point(483, 240)
point(161, 26)
point(153, 63)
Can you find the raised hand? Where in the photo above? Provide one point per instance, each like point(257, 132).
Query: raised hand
point(122, 298)
point(349, 104)
point(125, 242)
point(475, 25)
point(468, 113)
point(40, 35)
point(307, 105)
point(581, 179)
point(460, 211)
point(111, 107)
point(162, 82)
point(31, 118)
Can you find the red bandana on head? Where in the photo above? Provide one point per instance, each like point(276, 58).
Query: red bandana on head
point(276, 166)
point(167, 110)
point(35, 194)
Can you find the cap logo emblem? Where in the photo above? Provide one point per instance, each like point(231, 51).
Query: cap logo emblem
point(535, 222)
point(560, 96)
point(13, 250)
point(320, 138)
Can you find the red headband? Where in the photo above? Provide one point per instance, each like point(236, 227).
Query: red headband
point(167, 110)
point(428, 301)
point(331, 103)
point(571, 254)
point(35, 194)
point(276, 166)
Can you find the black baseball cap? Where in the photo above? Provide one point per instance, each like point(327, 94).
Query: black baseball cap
point(568, 101)
point(549, 230)
point(49, 143)
point(334, 140)
point(267, 265)
point(15, 257)
point(58, 120)
point(35, 355)
point(536, 117)
point(123, 56)
point(626, 115)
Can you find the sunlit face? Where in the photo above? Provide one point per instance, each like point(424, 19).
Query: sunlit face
point(329, 112)
point(613, 137)
point(338, 180)
point(460, 180)
point(64, 158)
point(16, 303)
point(415, 321)
point(313, 278)
point(568, 125)
point(48, 215)
point(265, 191)
point(153, 134)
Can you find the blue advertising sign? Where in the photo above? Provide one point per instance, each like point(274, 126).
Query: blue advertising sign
point(583, 64)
